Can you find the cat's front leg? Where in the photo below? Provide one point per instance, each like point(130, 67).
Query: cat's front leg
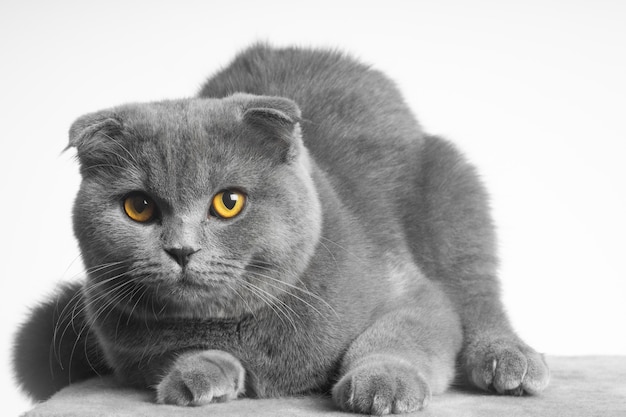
point(201, 377)
point(493, 357)
point(403, 358)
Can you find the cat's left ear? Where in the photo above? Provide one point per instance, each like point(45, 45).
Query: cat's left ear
point(279, 119)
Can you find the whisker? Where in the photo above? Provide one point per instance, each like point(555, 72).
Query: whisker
point(242, 299)
point(130, 289)
point(342, 248)
point(258, 276)
point(145, 289)
point(87, 325)
point(304, 290)
point(87, 353)
point(70, 266)
point(266, 266)
point(70, 309)
point(87, 168)
point(152, 302)
point(74, 312)
point(81, 310)
point(268, 299)
point(92, 286)
point(118, 143)
point(118, 293)
point(331, 254)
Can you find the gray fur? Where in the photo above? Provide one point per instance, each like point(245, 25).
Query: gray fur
point(363, 263)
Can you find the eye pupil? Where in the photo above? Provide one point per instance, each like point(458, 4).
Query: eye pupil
point(230, 200)
point(140, 204)
point(139, 207)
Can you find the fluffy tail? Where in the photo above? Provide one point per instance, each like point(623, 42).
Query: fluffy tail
point(55, 346)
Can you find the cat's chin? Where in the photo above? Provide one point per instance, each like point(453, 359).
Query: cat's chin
point(189, 299)
point(196, 312)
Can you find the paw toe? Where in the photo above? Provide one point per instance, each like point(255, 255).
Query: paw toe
point(482, 373)
point(380, 389)
point(506, 367)
point(510, 371)
point(537, 375)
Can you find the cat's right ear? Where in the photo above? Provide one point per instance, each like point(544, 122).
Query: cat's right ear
point(86, 128)
point(91, 134)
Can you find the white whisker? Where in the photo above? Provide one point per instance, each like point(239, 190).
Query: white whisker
point(342, 248)
point(277, 306)
point(304, 290)
point(263, 277)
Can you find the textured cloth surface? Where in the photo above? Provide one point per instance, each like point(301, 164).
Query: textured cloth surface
point(580, 386)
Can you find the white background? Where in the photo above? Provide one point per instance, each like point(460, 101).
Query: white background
point(534, 93)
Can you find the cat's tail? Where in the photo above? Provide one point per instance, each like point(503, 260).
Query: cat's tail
point(55, 346)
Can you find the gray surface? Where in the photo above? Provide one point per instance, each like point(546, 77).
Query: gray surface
point(581, 386)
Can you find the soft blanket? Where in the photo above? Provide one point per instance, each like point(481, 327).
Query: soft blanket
point(580, 386)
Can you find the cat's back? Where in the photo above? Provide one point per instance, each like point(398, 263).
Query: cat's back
point(340, 98)
point(355, 122)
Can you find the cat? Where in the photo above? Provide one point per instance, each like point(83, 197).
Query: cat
point(290, 230)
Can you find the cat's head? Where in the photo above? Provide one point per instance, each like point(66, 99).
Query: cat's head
point(194, 208)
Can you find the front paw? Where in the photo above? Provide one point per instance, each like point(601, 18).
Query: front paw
point(506, 366)
point(390, 386)
point(202, 377)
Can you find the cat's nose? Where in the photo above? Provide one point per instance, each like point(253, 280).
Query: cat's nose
point(181, 254)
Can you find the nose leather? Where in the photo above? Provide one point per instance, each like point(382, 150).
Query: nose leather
point(181, 255)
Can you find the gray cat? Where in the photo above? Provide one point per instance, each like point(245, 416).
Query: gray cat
point(290, 230)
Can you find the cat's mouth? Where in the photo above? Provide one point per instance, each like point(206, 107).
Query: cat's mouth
point(212, 289)
point(192, 295)
point(196, 279)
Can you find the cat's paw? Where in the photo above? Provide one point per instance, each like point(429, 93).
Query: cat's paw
point(505, 366)
point(202, 377)
point(382, 388)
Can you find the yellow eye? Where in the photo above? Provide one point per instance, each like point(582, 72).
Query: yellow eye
point(139, 207)
point(227, 204)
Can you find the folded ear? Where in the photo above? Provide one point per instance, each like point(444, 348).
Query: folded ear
point(272, 110)
point(278, 118)
point(85, 128)
point(93, 137)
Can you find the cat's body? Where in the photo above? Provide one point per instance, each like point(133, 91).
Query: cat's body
point(363, 260)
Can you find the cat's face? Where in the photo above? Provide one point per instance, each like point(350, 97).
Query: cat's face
point(194, 208)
